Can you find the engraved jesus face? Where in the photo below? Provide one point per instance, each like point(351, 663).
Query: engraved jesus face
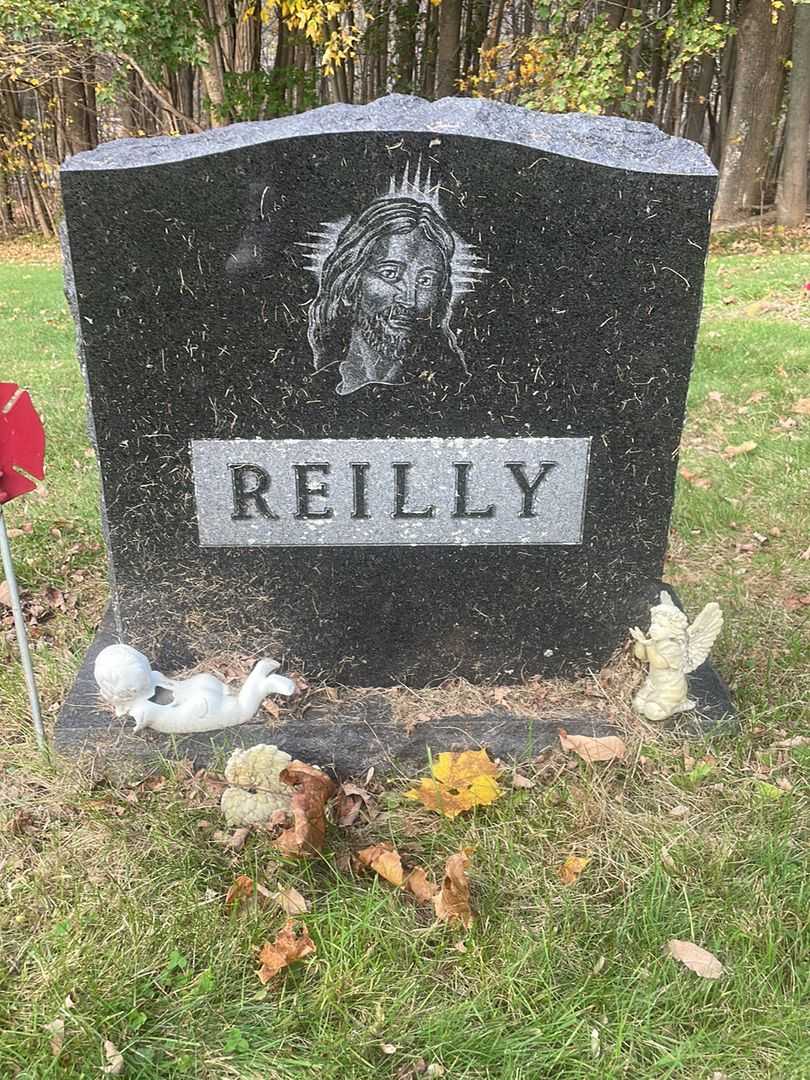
point(401, 284)
point(385, 298)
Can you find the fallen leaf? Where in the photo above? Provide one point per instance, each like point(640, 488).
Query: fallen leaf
point(757, 396)
point(452, 902)
point(242, 889)
point(114, 1058)
point(694, 479)
point(313, 789)
point(5, 594)
point(292, 943)
point(420, 885)
point(795, 603)
point(271, 708)
point(56, 1030)
point(789, 744)
point(802, 406)
point(389, 1048)
point(235, 841)
point(668, 862)
point(678, 812)
point(571, 869)
point(384, 860)
point(769, 791)
point(291, 901)
point(350, 800)
point(700, 961)
point(459, 782)
point(735, 451)
point(521, 782)
point(607, 748)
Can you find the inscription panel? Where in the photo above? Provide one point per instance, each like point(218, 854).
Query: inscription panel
point(389, 492)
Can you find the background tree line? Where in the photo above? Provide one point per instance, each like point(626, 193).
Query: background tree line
point(731, 74)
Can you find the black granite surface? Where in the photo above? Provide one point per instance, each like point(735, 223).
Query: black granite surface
point(191, 298)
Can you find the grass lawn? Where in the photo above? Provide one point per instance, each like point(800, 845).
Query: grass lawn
point(113, 918)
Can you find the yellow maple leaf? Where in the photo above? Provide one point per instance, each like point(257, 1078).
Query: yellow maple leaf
point(459, 782)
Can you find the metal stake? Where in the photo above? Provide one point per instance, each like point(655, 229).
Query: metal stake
point(22, 636)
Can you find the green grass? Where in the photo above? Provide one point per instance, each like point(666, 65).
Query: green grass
point(120, 904)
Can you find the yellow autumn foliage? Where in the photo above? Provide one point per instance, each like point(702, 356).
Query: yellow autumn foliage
point(459, 781)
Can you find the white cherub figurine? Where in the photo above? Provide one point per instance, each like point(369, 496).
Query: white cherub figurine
point(672, 649)
point(200, 703)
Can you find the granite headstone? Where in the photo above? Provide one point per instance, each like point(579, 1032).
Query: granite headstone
point(391, 392)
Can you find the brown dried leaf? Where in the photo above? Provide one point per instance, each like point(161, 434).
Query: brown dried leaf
point(235, 841)
point(607, 748)
point(735, 451)
point(242, 889)
point(520, 782)
point(420, 885)
point(700, 961)
point(452, 902)
point(350, 800)
point(802, 406)
point(5, 594)
point(313, 790)
point(571, 869)
point(757, 396)
point(293, 943)
point(115, 1059)
point(291, 901)
point(678, 812)
point(56, 1030)
point(796, 603)
point(694, 478)
point(384, 860)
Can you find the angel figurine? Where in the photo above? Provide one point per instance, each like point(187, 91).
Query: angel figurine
point(199, 703)
point(673, 649)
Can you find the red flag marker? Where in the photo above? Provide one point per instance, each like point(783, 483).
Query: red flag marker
point(22, 463)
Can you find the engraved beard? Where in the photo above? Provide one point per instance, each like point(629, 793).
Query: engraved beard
point(391, 344)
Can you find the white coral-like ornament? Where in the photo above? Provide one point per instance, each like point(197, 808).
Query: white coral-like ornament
point(257, 790)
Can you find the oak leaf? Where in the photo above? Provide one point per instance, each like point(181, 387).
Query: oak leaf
point(607, 748)
point(313, 790)
point(452, 902)
point(700, 961)
point(292, 943)
point(384, 860)
point(571, 869)
point(459, 782)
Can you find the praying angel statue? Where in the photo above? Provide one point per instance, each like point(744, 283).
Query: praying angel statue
point(672, 649)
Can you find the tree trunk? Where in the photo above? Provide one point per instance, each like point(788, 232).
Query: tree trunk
point(700, 86)
point(791, 199)
point(762, 49)
point(78, 125)
point(247, 50)
point(429, 51)
point(406, 16)
point(447, 59)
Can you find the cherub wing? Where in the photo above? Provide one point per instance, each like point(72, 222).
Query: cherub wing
point(702, 634)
